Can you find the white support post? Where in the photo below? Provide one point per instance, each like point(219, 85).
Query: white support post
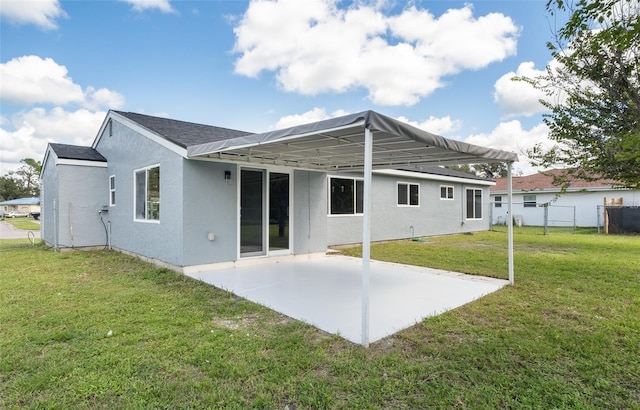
point(366, 234)
point(510, 220)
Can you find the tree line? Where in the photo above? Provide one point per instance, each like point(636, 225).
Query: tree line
point(22, 183)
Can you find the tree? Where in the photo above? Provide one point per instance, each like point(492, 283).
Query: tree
point(21, 183)
point(593, 93)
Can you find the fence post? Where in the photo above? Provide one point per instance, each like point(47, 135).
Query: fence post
point(546, 218)
point(574, 219)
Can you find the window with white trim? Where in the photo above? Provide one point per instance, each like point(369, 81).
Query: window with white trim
point(408, 194)
point(497, 201)
point(530, 201)
point(345, 196)
point(112, 190)
point(474, 203)
point(147, 194)
point(446, 192)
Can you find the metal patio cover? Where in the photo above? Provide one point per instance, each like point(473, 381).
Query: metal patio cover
point(364, 141)
point(337, 144)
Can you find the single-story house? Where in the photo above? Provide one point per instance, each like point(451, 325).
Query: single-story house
point(190, 195)
point(24, 206)
point(581, 203)
point(196, 197)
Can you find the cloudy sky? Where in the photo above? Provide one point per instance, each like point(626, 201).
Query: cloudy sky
point(444, 66)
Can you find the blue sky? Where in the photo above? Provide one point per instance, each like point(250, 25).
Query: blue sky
point(444, 66)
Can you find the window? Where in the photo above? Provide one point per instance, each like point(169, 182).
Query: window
point(147, 194)
point(530, 201)
point(345, 196)
point(112, 190)
point(498, 201)
point(408, 194)
point(446, 192)
point(474, 203)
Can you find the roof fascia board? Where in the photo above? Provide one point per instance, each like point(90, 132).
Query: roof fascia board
point(44, 160)
point(140, 130)
point(433, 177)
point(82, 163)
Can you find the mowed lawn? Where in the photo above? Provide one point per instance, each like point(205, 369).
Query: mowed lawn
point(103, 330)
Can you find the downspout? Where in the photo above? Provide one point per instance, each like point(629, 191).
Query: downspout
point(366, 234)
point(510, 220)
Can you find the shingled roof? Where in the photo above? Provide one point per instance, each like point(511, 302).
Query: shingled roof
point(182, 133)
point(544, 181)
point(77, 152)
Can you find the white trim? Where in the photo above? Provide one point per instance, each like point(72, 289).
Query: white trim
point(433, 177)
point(82, 163)
point(112, 198)
point(355, 191)
point(135, 199)
point(408, 204)
point(558, 190)
point(466, 213)
point(453, 193)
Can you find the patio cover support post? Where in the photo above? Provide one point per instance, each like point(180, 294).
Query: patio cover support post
point(510, 219)
point(366, 234)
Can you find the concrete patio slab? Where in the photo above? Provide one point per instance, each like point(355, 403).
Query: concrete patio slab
point(326, 292)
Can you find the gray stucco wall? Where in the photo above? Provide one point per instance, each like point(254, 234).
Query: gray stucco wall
point(310, 213)
point(434, 216)
point(210, 207)
point(126, 151)
point(72, 195)
point(48, 196)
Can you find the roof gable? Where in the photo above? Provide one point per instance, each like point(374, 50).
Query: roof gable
point(182, 133)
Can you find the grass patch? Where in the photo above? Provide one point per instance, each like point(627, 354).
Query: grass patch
point(567, 335)
point(24, 223)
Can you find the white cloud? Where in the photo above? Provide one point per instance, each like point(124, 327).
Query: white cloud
point(316, 47)
point(435, 125)
point(142, 5)
point(34, 129)
point(42, 13)
point(32, 79)
point(517, 98)
point(313, 115)
point(510, 136)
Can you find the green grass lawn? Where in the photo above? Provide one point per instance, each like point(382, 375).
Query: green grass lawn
point(103, 330)
point(24, 223)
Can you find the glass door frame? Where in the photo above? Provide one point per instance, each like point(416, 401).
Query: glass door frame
point(266, 170)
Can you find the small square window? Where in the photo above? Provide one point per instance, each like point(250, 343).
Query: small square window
point(530, 201)
point(446, 192)
point(497, 202)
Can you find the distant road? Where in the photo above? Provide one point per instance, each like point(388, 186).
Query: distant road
point(8, 231)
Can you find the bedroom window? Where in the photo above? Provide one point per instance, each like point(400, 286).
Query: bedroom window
point(147, 194)
point(345, 196)
point(112, 190)
point(446, 192)
point(474, 203)
point(408, 194)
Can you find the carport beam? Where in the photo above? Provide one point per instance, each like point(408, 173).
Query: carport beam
point(366, 234)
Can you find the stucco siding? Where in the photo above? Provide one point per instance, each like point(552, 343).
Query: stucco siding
point(310, 202)
point(127, 151)
point(390, 221)
point(210, 204)
point(48, 197)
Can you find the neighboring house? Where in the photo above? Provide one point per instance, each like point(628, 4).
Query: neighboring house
point(189, 196)
point(582, 201)
point(24, 206)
